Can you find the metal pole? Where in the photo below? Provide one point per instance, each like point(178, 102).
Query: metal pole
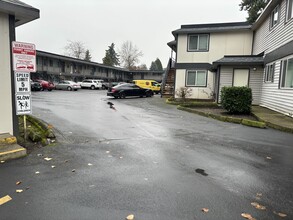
point(24, 126)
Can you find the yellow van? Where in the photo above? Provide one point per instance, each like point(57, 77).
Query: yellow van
point(148, 84)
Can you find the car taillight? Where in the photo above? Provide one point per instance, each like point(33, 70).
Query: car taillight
point(113, 90)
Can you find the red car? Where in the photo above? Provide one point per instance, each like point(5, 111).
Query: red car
point(46, 85)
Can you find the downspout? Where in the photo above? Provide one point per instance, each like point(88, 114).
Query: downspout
point(12, 38)
point(218, 83)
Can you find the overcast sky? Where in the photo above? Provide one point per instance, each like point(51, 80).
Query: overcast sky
point(98, 23)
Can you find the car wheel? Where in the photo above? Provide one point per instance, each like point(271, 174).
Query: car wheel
point(69, 88)
point(115, 97)
point(122, 95)
point(148, 94)
point(103, 87)
point(92, 87)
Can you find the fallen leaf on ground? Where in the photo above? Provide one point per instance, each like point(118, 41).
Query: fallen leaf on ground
point(205, 210)
point(283, 215)
point(19, 190)
point(89, 164)
point(258, 206)
point(18, 183)
point(2, 161)
point(65, 161)
point(73, 170)
point(269, 158)
point(121, 157)
point(130, 217)
point(47, 158)
point(37, 172)
point(50, 126)
point(53, 166)
point(40, 155)
point(247, 216)
point(5, 199)
point(258, 194)
point(107, 152)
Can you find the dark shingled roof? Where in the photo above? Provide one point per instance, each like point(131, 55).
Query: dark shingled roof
point(16, 2)
point(240, 60)
point(23, 12)
point(212, 28)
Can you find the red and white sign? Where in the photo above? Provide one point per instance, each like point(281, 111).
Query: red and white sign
point(24, 57)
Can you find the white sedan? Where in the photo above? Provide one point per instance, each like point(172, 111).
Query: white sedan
point(67, 85)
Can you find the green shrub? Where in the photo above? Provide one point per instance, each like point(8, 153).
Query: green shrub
point(236, 100)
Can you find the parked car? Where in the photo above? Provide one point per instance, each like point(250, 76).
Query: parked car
point(67, 85)
point(36, 86)
point(105, 85)
point(129, 89)
point(112, 84)
point(91, 84)
point(46, 85)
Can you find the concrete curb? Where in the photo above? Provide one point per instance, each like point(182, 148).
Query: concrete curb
point(273, 125)
point(245, 122)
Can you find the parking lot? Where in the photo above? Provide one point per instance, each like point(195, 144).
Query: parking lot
point(148, 159)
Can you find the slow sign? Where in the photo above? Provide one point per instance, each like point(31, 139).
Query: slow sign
point(23, 104)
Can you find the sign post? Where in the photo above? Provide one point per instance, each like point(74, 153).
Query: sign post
point(24, 62)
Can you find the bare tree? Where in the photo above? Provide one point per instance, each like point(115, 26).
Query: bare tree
point(129, 55)
point(75, 49)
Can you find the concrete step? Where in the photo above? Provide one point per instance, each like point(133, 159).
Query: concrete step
point(6, 139)
point(11, 151)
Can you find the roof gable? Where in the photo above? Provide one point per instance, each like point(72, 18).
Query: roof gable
point(23, 12)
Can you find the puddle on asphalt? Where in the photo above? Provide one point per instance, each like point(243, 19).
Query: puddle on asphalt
point(201, 172)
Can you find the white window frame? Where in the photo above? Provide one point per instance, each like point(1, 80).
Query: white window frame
point(236, 71)
point(198, 39)
point(284, 70)
point(289, 10)
point(269, 73)
point(196, 84)
point(275, 17)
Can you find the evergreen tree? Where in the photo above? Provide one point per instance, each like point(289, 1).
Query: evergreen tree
point(153, 66)
point(87, 56)
point(111, 57)
point(253, 7)
point(159, 64)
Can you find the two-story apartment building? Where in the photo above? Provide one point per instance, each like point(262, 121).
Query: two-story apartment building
point(260, 56)
point(55, 67)
point(199, 45)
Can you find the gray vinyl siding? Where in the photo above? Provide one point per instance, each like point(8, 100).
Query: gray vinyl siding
point(266, 40)
point(255, 81)
point(226, 78)
point(280, 100)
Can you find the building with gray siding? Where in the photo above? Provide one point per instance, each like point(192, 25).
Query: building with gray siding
point(55, 67)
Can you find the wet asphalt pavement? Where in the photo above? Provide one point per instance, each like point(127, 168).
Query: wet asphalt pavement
point(148, 159)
